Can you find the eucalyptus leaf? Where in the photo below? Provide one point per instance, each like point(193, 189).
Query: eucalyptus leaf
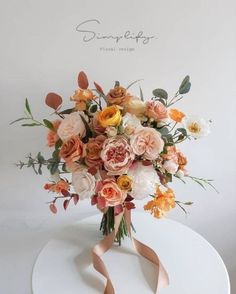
point(182, 131)
point(54, 168)
point(31, 125)
point(141, 94)
point(48, 124)
point(185, 89)
point(161, 93)
point(19, 119)
point(27, 107)
point(67, 111)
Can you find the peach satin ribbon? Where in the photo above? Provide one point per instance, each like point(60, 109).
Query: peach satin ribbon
point(142, 249)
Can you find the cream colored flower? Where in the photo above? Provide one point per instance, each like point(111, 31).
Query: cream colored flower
point(72, 125)
point(84, 183)
point(196, 127)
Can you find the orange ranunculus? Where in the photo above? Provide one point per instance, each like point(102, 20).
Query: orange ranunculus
point(57, 187)
point(176, 115)
point(182, 160)
point(52, 136)
point(109, 116)
point(118, 96)
point(163, 202)
point(72, 150)
point(81, 97)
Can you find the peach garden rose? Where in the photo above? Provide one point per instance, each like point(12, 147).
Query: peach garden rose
point(117, 155)
point(147, 142)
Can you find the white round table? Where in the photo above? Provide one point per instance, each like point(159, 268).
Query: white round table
point(194, 266)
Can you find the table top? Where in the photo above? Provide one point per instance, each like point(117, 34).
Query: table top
point(194, 266)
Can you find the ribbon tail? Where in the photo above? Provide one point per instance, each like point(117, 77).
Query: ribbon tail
point(102, 247)
point(148, 253)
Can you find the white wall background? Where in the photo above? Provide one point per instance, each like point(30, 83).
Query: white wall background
point(42, 52)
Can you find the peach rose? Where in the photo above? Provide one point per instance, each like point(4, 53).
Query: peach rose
point(111, 192)
point(156, 110)
point(52, 136)
point(94, 147)
point(117, 155)
point(118, 96)
point(72, 125)
point(72, 149)
point(147, 142)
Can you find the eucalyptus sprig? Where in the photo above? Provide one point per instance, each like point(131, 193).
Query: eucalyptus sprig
point(30, 121)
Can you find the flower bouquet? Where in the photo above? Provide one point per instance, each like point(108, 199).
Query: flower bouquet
point(116, 148)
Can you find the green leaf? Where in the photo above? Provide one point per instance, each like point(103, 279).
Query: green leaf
point(161, 93)
point(19, 119)
point(48, 124)
point(117, 83)
point(130, 85)
point(58, 144)
point(27, 107)
point(182, 131)
point(164, 131)
point(40, 158)
point(55, 154)
point(141, 94)
point(64, 167)
point(31, 125)
point(40, 169)
point(93, 108)
point(67, 111)
point(54, 168)
point(89, 133)
point(185, 85)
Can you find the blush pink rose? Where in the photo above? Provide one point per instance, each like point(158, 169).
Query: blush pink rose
point(156, 110)
point(111, 192)
point(147, 142)
point(117, 155)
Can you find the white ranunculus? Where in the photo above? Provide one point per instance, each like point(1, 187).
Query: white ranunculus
point(170, 166)
point(72, 125)
point(144, 180)
point(196, 127)
point(84, 183)
point(130, 122)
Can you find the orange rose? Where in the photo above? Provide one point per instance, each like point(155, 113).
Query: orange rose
point(182, 160)
point(176, 115)
point(94, 147)
point(118, 96)
point(52, 136)
point(111, 192)
point(72, 149)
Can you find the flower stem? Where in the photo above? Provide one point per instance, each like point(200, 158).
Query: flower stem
point(107, 226)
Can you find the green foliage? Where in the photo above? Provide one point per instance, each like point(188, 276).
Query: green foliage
point(160, 93)
point(185, 85)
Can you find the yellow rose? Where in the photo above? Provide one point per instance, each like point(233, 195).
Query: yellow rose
point(124, 182)
point(109, 116)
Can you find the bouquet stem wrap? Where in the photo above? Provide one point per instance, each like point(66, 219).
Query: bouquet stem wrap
point(103, 246)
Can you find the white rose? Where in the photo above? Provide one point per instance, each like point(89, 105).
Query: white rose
point(170, 166)
point(144, 180)
point(72, 125)
point(130, 122)
point(84, 183)
point(196, 127)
